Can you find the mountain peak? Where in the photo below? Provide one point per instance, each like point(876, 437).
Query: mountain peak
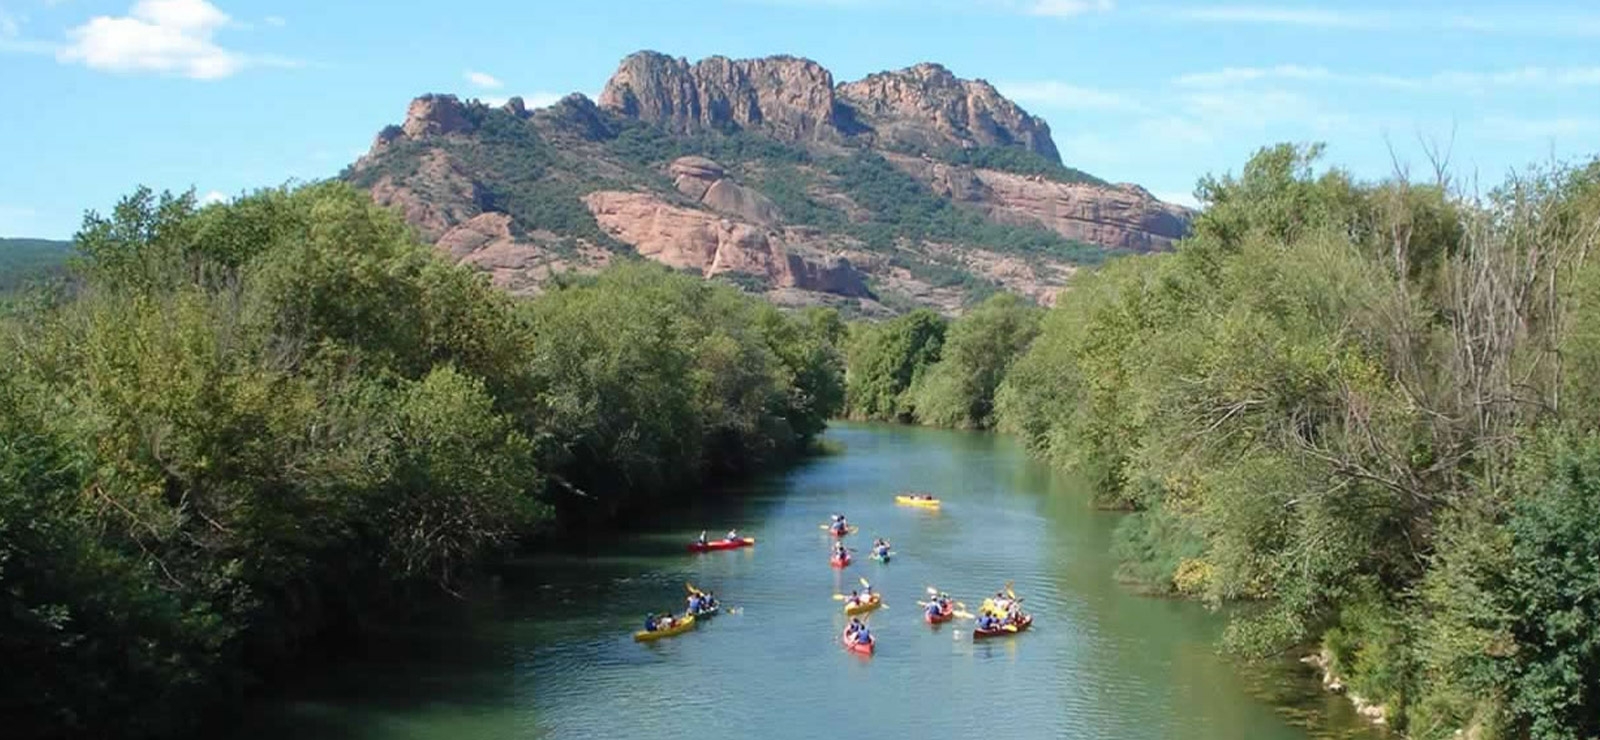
point(924, 107)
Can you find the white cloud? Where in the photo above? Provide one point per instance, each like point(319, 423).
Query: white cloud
point(276, 21)
point(532, 100)
point(174, 37)
point(1069, 8)
point(1515, 128)
point(1284, 16)
point(10, 25)
point(1183, 198)
point(1057, 94)
point(212, 198)
point(1449, 81)
point(483, 79)
point(1229, 76)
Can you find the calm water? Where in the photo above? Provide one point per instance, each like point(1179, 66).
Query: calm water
point(549, 653)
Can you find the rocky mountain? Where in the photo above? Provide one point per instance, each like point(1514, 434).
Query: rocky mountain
point(909, 187)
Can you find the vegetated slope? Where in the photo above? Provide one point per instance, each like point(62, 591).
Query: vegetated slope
point(23, 260)
point(906, 188)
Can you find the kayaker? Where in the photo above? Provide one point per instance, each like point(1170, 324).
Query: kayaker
point(866, 592)
point(855, 598)
point(650, 622)
point(862, 636)
point(733, 535)
point(933, 609)
point(694, 603)
point(702, 539)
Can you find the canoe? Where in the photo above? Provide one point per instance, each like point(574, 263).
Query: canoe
point(863, 648)
point(839, 562)
point(685, 623)
point(849, 529)
point(870, 604)
point(914, 501)
point(722, 544)
point(941, 617)
point(1027, 620)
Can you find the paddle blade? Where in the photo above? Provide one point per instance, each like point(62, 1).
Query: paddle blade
point(964, 615)
point(838, 597)
point(933, 591)
point(863, 582)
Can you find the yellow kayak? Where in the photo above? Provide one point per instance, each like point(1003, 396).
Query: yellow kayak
point(867, 606)
point(684, 624)
point(931, 503)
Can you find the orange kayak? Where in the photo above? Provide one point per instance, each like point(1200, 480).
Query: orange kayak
point(839, 562)
point(863, 648)
point(939, 617)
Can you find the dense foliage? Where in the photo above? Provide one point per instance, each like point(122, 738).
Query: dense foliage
point(921, 367)
point(1370, 407)
point(253, 426)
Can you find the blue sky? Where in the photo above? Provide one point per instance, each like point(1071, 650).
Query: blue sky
point(228, 95)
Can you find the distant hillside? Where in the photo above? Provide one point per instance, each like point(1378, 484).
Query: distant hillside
point(907, 188)
point(23, 260)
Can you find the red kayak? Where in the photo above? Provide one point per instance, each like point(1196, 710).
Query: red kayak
point(839, 562)
point(1021, 625)
point(721, 544)
point(945, 615)
point(842, 532)
point(864, 648)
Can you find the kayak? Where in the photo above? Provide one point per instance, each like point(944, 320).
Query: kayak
point(685, 623)
point(839, 562)
point(864, 648)
point(722, 544)
point(1027, 619)
point(940, 617)
point(931, 503)
point(867, 606)
point(851, 529)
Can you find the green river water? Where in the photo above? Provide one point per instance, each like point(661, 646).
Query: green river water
point(548, 652)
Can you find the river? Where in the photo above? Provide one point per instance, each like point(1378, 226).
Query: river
point(548, 652)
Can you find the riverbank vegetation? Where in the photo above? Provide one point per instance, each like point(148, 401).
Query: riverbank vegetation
point(1370, 409)
point(922, 367)
point(250, 427)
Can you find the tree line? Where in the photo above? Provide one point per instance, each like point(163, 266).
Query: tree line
point(1367, 410)
point(243, 429)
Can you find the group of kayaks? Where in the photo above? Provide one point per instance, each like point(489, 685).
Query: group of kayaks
point(999, 616)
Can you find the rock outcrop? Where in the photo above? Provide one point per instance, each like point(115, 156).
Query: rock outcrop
point(707, 182)
point(783, 96)
point(437, 198)
point(436, 115)
point(927, 107)
point(694, 239)
point(924, 107)
point(1120, 217)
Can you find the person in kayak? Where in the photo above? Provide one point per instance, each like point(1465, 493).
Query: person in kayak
point(934, 610)
point(882, 548)
point(650, 622)
point(866, 592)
point(839, 553)
point(862, 636)
point(854, 600)
point(694, 603)
point(733, 535)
